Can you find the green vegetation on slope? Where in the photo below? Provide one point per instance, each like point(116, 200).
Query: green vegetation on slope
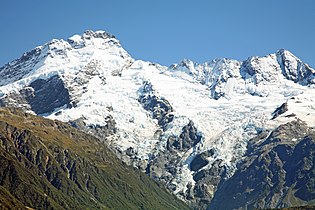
point(48, 164)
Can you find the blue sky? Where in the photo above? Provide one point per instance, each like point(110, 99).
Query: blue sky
point(166, 31)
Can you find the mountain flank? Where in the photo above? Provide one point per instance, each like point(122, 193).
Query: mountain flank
point(48, 164)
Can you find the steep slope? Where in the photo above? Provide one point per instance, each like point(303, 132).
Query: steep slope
point(277, 171)
point(50, 165)
point(187, 125)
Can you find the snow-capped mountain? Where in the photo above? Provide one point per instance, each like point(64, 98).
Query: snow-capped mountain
point(183, 125)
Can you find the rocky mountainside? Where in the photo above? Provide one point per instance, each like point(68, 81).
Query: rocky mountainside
point(189, 126)
point(276, 171)
point(48, 164)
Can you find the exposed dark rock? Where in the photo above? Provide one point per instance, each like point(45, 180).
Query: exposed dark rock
point(301, 169)
point(215, 91)
point(198, 162)
point(206, 182)
point(130, 151)
point(160, 108)
point(103, 34)
point(165, 166)
point(201, 191)
point(11, 71)
point(186, 140)
point(297, 128)
point(291, 115)
point(48, 95)
point(15, 100)
point(189, 193)
point(41, 96)
point(101, 132)
point(201, 160)
point(280, 110)
point(300, 73)
point(279, 172)
point(249, 70)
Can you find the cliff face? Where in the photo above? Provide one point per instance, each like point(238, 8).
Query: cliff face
point(48, 164)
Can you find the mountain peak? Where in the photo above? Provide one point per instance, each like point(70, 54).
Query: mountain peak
point(294, 69)
point(93, 48)
point(284, 51)
point(97, 38)
point(97, 34)
point(78, 41)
